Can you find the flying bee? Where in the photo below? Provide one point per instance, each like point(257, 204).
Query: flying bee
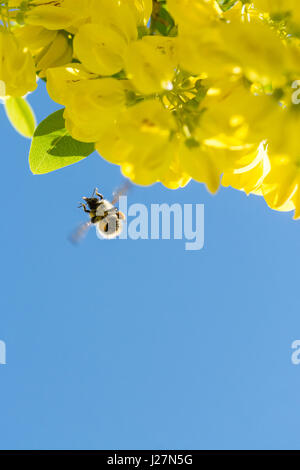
point(106, 217)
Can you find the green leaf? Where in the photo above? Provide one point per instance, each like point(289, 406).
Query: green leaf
point(161, 20)
point(227, 4)
point(21, 116)
point(53, 147)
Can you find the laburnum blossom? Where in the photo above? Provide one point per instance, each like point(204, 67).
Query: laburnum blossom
point(169, 90)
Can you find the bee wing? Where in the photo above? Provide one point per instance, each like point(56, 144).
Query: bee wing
point(80, 232)
point(121, 191)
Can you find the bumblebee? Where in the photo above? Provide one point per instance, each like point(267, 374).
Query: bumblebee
point(106, 217)
point(103, 214)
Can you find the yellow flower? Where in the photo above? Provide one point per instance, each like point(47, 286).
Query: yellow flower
point(92, 105)
point(51, 17)
point(100, 50)
point(209, 44)
point(204, 164)
point(101, 45)
point(17, 70)
point(175, 177)
point(234, 118)
point(58, 52)
point(195, 15)
point(199, 43)
point(279, 9)
point(256, 48)
point(142, 10)
point(282, 134)
point(141, 142)
point(281, 186)
point(34, 38)
point(229, 132)
point(151, 63)
point(251, 173)
point(62, 82)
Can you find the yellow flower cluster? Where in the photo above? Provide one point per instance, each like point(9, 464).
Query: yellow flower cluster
point(170, 89)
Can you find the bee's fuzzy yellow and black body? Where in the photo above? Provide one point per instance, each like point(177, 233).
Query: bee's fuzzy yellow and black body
point(104, 215)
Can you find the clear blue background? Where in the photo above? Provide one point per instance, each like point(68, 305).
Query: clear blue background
point(141, 344)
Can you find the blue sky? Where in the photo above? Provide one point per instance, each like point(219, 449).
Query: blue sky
point(141, 344)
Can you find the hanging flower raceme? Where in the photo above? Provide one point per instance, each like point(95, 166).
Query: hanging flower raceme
point(169, 90)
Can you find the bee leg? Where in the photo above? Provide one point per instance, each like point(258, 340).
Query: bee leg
point(120, 215)
point(98, 194)
point(84, 208)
